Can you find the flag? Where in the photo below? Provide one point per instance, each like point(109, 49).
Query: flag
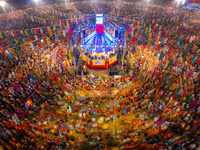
point(159, 121)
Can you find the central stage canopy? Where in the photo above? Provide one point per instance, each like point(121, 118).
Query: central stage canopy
point(99, 43)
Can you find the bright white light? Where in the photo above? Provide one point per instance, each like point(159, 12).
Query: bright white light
point(99, 15)
point(36, 1)
point(179, 0)
point(183, 2)
point(2, 3)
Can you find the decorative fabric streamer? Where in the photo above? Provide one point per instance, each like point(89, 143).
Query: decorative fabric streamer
point(26, 106)
point(159, 121)
point(190, 73)
point(21, 113)
point(56, 75)
point(149, 104)
point(184, 56)
point(44, 88)
point(41, 69)
point(161, 56)
point(179, 91)
point(169, 83)
point(194, 104)
point(188, 99)
point(194, 60)
point(1, 56)
point(17, 87)
point(9, 54)
point(155, 71)
point(196, 49)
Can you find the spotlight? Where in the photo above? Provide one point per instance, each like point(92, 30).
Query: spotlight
point(2, 3)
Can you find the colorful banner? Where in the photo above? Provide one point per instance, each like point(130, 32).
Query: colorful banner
point(98, 62)
point(85, 58)
point(112, 60)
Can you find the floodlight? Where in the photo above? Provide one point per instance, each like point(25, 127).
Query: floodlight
point(2, 3)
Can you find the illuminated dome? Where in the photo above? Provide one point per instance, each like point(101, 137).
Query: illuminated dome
point(99, 43)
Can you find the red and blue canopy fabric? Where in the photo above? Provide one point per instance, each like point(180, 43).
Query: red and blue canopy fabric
point(99, 43)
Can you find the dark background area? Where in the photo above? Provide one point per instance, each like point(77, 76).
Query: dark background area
point(16, 2)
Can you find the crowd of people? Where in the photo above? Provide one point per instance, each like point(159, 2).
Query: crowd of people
point(51, 11)
point(18, 20)
point(85, 7)
point(153, 105)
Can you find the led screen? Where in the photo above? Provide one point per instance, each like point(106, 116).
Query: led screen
point(99, 20)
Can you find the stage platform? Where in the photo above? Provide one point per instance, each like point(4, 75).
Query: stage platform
point(99, 48)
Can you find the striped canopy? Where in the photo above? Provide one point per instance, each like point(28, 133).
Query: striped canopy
point(99, 43)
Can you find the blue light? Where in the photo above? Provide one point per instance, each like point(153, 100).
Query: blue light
point(99, 42)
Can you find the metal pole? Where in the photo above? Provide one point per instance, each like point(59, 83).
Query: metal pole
point(74, 64)
point(122, 62)
point(82, 74)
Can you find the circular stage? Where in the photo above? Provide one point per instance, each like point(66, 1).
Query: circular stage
point(99, 48)
point(100, 60)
